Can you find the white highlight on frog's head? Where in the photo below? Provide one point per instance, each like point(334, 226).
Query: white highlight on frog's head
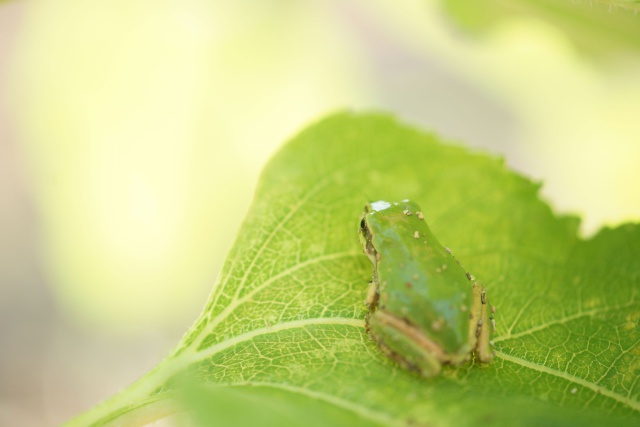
point(379, 205)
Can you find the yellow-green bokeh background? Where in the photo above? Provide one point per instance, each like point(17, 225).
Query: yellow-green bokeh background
point(132, 134)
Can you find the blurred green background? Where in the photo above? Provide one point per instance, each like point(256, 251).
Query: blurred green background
point(132, 134)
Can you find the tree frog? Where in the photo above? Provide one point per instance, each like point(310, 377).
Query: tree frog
point(425, 310)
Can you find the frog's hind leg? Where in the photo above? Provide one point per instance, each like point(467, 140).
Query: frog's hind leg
point(480, 324)
point(405, 344)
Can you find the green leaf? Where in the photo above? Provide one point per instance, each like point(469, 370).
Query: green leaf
point(596, 27)
point(284, 329)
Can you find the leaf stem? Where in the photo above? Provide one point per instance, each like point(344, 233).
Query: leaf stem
point(136, 405)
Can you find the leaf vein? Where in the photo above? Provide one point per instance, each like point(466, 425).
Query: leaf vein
point(625, 400)
point(216, 348)
point(315, 189)
point(360, 410)
point(238, 301)
point(562, 321)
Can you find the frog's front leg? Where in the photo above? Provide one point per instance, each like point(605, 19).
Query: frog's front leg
point(373, 293)
point(405, 343)
point(480, 324)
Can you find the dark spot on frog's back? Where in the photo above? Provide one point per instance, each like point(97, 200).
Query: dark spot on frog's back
point(408, 285)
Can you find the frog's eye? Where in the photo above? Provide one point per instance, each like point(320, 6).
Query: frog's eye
point(362, 224)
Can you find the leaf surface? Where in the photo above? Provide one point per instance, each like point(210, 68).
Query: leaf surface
point(284, 325)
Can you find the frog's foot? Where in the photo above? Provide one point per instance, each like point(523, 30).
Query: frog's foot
point(405, 343)
point(481, 324)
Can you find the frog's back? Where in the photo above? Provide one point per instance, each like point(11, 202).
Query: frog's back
point(419, 279)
